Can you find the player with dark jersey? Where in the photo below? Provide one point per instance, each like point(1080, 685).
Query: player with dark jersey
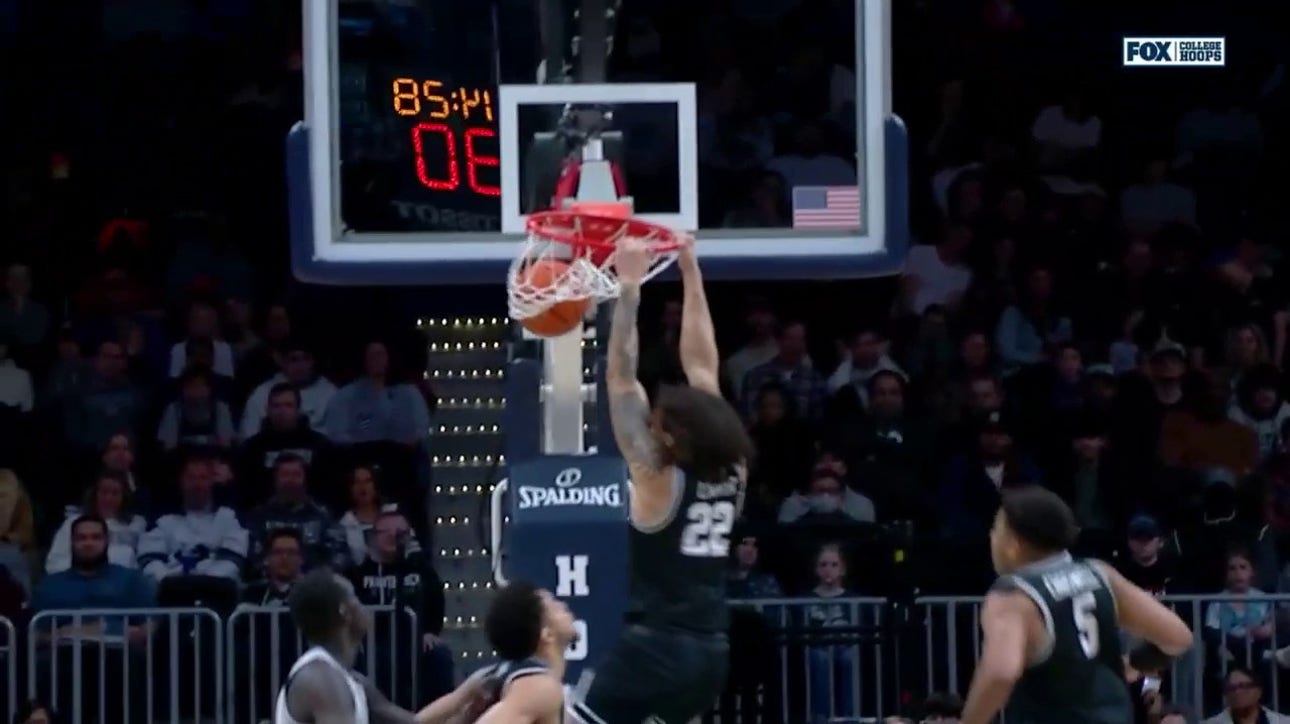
point(687, 457)
point(1051, 622)
point(530, 630)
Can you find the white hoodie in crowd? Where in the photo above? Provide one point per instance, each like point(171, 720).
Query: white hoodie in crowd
point(123, 542)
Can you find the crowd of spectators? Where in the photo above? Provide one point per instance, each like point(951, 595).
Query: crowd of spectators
point(1094, 303)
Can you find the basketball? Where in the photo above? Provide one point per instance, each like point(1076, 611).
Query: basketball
point(559, 318)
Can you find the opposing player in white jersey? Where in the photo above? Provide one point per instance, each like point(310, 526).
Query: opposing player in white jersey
point(321, 687)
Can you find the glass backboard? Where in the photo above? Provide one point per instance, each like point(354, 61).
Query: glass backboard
point(426, 122)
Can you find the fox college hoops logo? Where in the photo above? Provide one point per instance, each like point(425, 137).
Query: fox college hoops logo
point(565, 490)
point(1174, 52)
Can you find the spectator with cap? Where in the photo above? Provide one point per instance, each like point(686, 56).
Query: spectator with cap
point(1143, 400)
point(297, 370)
point(1147, 562)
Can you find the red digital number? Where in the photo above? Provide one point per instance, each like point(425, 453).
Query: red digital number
point(418, 145)
point(475, 160)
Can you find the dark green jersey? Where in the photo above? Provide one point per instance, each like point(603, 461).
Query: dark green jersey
point(678, 567)
point(1079, 677)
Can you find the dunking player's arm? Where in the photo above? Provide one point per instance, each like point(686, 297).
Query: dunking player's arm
point(1013, 626)
point(628, 405)
point(698, 347)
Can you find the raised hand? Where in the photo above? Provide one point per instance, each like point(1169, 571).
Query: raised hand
point(632, 261)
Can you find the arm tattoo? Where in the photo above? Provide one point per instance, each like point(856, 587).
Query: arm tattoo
point(624, 343)
point(628, 408)
point(629, 413)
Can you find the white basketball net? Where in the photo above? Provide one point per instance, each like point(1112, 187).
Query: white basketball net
point(583, 278)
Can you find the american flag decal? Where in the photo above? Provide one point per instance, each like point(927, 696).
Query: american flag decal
point(826, 207)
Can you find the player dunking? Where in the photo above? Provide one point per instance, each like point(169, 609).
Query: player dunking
point(321, 687)
point(1052, 624)
point(686, 457)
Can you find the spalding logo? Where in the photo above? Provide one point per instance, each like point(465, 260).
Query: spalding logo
point(564, 492)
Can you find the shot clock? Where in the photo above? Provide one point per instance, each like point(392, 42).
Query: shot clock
point(453, 134)
point(416, 96)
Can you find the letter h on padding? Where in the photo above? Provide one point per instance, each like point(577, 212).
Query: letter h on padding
point(572, 572)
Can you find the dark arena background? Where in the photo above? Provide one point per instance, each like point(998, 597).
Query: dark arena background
point(255, 318)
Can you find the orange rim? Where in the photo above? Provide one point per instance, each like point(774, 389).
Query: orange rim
point(602, 220)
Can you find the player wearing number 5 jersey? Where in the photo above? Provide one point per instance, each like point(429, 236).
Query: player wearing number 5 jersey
point(1052, 625)
point(686, 457)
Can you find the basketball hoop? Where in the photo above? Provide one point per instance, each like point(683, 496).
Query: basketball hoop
point(583, 238)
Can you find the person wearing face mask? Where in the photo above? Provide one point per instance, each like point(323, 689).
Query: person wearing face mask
point(826, 501)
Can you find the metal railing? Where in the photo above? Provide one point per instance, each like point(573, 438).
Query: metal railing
point(859, 660)
point(817, 659)
point(792, 659)
point(184, 664)
point(389, 657)
point(952, 643)
point(9, 660)
point(127, 665)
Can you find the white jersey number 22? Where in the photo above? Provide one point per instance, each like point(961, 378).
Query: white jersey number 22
point(707, 535)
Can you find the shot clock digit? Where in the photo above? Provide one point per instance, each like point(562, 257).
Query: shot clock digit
point(445, 138)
